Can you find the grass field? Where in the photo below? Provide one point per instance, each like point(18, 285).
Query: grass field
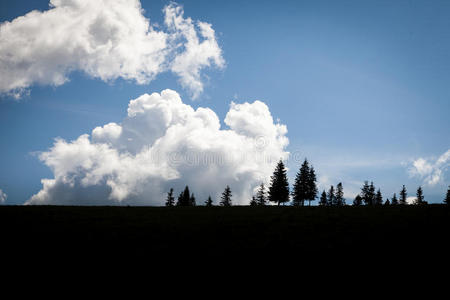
point(218, 231)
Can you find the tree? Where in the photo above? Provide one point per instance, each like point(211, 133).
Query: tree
point(365, 193)
point(226, 197)
point(323, 199)
point(387, 202)
point(253, 202)
point(447, 198)
point(378, 198)
point(185, 198)
point(170, 200)
point(312, 186)
point(340, 200)
point(300, 189)
point(192, 200)
point(261, 198)
point(209, 202)
point(357, 201)
point(420, 197)
point(279, 187)
point(394, 200)
point(403, 196)
point(331, 197)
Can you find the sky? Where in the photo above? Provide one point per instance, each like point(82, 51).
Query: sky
point(360, 88)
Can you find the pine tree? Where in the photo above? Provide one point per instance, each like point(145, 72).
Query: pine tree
point(340, 200)
point(170, 201)
point(312, 186)
point(368, 193)
point(253, 202)
point(378, 198)
point(323, 199)
point(371, 194)
point(279, 188)
point(447, 198)
point(420, 197)
point(185, 198)
point(192, 200)
point(226, 197)
point(387, 202)
point(403, 196)
point(365, 193)
point(300, 189)
point(331, 197)
point(209, 202)
point(357, 201)
point(261, 198)
point(394, 200)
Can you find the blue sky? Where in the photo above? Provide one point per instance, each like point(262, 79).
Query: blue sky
point(362, 86)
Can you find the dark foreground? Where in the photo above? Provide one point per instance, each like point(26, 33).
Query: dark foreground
point(188, 232)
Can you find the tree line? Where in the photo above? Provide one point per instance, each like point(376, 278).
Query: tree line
point(304, 190)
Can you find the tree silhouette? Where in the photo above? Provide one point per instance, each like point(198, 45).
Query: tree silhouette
point(305, 187)
point(226, 197)
point(253, 202)
point(170, 201)
point(279, 187)
point(331, 197)
point(209, 202)
point(185, 198)
point(447, 197)
point(261, 198)
point(357, 201)
point(192, 200)
point(368, 193)
point(312, 186)
point(420, 197)
point(323, 199)
point(340, 200)
point(378, 198)
point(403, 196)
point(394, 200)
point(387, 202)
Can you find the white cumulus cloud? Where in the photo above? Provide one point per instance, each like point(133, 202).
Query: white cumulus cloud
point(164, 143)
point(3, 197)
point(106, 39)
point(431, 170)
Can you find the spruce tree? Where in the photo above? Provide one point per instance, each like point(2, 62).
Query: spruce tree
point(253, 202)
point(378, 198)
point(394, 200)
point(226, 197)
point(403, 196)
point(340, 200)
point(420, 197)
point(209, 202)
point(323, 199)
point(301, 185)
point(185, 198)
point(447, 197)
point(192, 200)
point(279, 188)
point(365, 193)
point(331, 197)
point(312, 186)
point(261, 198)
point(387, 202)
point(371, 194)
point(170, 200)
point(357, 201)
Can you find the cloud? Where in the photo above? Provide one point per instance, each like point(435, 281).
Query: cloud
point(106, 39)
point(164, 143)
point(3, 197)
point(431, 170)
